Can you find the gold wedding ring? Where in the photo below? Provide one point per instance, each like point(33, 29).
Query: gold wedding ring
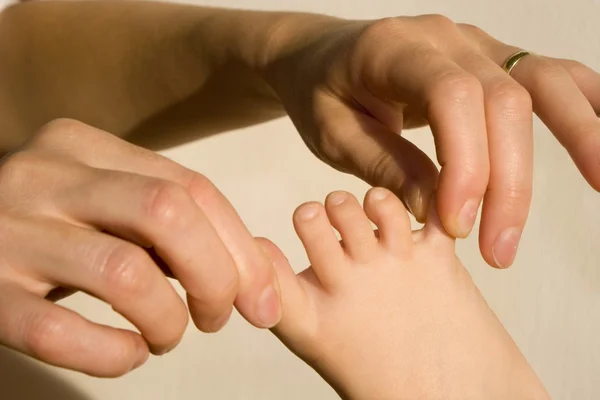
point(513, 60)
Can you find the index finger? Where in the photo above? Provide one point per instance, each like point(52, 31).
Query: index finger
point(257, 298)
point(453, 102)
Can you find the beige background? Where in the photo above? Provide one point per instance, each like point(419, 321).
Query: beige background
point(549, 301)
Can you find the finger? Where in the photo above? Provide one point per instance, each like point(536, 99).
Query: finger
point(509, 123)
point(560, 104)
point(63, 338)
point(453, 101)
point(379, 156)
point(586, 79)
point(434, 231)
point(116, 271)
point(565, 110)
point(293, 297)
point(257, 298)
point(162, 214)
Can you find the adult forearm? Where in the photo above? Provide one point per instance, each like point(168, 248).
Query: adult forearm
point(156, 73)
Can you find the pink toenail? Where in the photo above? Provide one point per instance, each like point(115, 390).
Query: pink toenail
point(309, 211)
point(337, 198)
point(379, 194)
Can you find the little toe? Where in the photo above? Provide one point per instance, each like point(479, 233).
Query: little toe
point(348, 217)
point(391, 218)
point(320, 242)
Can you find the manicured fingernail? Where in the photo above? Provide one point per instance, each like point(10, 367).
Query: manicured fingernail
point(466, 218)
point(505, 248)
point(269, 309)
point(379, 194)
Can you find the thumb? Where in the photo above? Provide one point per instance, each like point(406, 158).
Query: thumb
point(383, 158)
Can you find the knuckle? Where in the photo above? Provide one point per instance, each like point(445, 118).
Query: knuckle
point(380, 167)
point(42, 334)
point(125, 271)
point(455, 84)
point(201, 188)
point(61, 128)
point(366, 60)
point(384, 27)
point(17, 167)
point(514, 99)
point(513, 197)
point(441, 22)
point(517, 195)
point(167, 204)
point(512, 191)
point(471, 29)
point(327, 146)
point(68, 136)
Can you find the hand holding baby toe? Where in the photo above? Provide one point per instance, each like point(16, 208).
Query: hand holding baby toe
point(364, 82)
point(83, 210)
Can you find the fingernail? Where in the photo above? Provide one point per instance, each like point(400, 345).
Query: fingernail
point(466, 218)
point(220, 322)
point(505, 248)
point(415, 202)
point(409, 196)
point(142, 356)
point(269, 309)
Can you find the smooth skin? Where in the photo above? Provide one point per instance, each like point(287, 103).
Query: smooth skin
point(350, 87)
point(392, 314)
point(75, 217)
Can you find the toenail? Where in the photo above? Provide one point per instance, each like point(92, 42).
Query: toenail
point(309, 211)
point(337, 198)
point(379, 194)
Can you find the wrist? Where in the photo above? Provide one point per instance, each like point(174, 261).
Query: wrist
point(270, 43)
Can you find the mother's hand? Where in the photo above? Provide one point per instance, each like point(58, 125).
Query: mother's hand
point(351, 87)
point(84, 210)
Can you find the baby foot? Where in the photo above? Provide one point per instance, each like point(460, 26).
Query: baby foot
point(392, 314)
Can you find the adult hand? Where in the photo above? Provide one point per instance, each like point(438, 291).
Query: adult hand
point(352, 87)
point(82, 209)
